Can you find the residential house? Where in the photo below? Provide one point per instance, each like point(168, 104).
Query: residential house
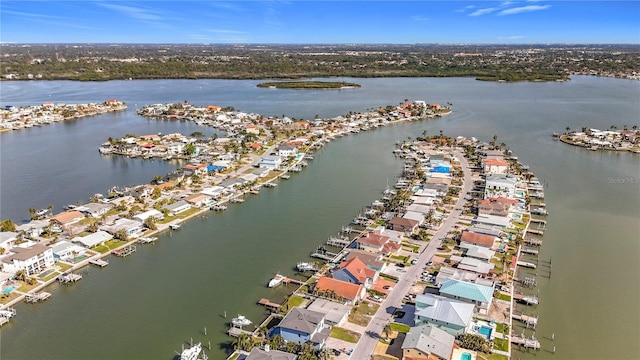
point(270, 162)
point(356, 272)
point(403, 224)
point(493, 220)
point(132, 228)
point(372, 260)
point(8, 239)
point(303, 325)
point(473, 293)
point(261, 172)
point(142, 217)
point(287, 151)
point(94, 210)
point(495, 166)
point(199, 200)
point(377, 243)
point(65, 250)
point(268, 354)
point(32, 259)
point(500, 206)
point(93, 239)
point(214, 191)
point(483, 240)
point(33, 228)
point(500, 185)
point(67, 217)
point(427, 342)
point(334, 314)
point(477, 252)
point(198, 170)
point(414, 215)
point(450, 315)
point(178, 207)
point(342, 289)
point(448, 272)
point(474, 265)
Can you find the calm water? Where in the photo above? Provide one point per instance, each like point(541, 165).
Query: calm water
point(145, 306)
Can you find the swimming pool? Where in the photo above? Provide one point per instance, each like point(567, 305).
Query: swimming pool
point(516, 216)
point(520, 193)
point(44, 274)
point(486, 331)
point(465, 356)
point(8, 290)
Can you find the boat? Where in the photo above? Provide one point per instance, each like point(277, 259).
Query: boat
point(219, 207)
point(240, 321)
point(8, 313)
point(174, 226)
point(305, 266)
point(236, 200)
point(147, 239)
point(191, 353)
point(285, 176)
point(270, 185)
point(277, 280)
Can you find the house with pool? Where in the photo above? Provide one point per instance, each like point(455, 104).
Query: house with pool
point(479, 295)
point(452, 316)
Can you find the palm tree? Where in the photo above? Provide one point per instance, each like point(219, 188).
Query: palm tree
point(386, 330)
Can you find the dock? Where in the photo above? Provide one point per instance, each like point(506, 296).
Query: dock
point(38, 297)
point(69, 278)
point(525, 299)
point(99, 262)
point(526, 319)
point(526, 264)
point(529, 251)
point(269, 305)
point(125, 251)
point(535, 231)
point(147, 240)
point(533, 242)
point(288, 281)
point(324, 254)
point(529, 282)
point(236, 331)
point(219, 207)
point(338, 242)
point(3, 320)
point(527, 343)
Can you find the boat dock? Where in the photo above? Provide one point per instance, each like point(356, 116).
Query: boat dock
point(287, 281)
point(533, 242)
point(324, 254)
point(269, 305)
point(99, 262)
point(69, 278)
point(526, 319)
point(147, 240)
point(236, 331)
point(525, 299)
point(219, 207)
point(535, 231)
point(38, 297)
point(529, 282)
point(529, 251)
point(338, 242)
point(527, 343)
point(3, 320)
point(125, 251)
point(526, 264)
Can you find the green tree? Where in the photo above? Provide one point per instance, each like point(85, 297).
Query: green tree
point(150, 223)
point(189, 149)
point(7, 225)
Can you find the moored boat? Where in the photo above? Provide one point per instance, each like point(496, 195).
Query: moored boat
point(305, 266)
point(240, 321)
point(191, 353)
point(277, 280)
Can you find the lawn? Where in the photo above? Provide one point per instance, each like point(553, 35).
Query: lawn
point(501, 344)
point(360, 315)
point(62, 266)
point(344, 334)
point(502, 328)
point(482, 356)
point(400, 327)
point(295, 301)
point(504, 297)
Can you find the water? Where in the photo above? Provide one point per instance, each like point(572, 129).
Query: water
point(146, 305)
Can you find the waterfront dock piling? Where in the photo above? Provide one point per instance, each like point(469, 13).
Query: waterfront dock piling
point(99, 262)
point(37, 297)
point(269, 305)
point(69, 278)
point(125, 251)
point(526, 343)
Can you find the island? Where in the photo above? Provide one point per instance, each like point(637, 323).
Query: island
point(612, 139)
point(315, 85)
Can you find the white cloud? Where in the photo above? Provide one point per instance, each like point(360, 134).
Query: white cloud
point(483, 11)
point(513, 37)
point(468, 7)
point(133, 12)
point(522, 9)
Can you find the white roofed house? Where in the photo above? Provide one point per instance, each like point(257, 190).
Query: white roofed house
point(500, 185)
point(7, 239)
point(178, 207)
point(91, 240)
point(95, 210)
point(132, 228)
point(427, 342)
point(33, 259)
point(287, 150)
point(65, 250)
point(450, 315)
point(33, 228)
point(142, 217)
point(271, 162)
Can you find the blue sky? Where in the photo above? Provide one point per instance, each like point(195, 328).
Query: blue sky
point(300, 21)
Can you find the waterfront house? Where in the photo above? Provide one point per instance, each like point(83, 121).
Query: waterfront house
point(95, 210)
point(287, 150)
point(7, 239)
point(132, 228)
point(65, 250)
point(261, 172)
point(486, 229)
point(142, 217)
point(268, 354)
point(450, 315)
point(33, 228)
point(248, 178)
point(476, 294)
point(495, 207)
point(67, 217)
point(32, 259)
point(93, 239)
point(270, 162)
point(448, 272)
point(348, 292)
point(493, 220)
point(199, 200)
point(371, 260)
point(377, 243)
point(476, 252)
point(403, 224)
point(414, 215)
point(483, 240)
point(303, 325)
point(427, 342)
point(214, 191)
point(356, 272)
point(231, 183)
point(198, 170)
point(495, 166)
point(497, 185)
point(178, 207)
point(471, 264)
point(334, 314)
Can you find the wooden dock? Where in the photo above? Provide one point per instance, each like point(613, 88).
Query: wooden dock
point(324, 254)
point(526, 264)
point(535, 231)
point(527, 281)
point(338, 242)
point(125, 251)
point(69, 278)
point(3, 320)
point(533, 242)
point(287, 281)
point(527, 343)
point(38, 297)
point(99, 262)
point(529, 251)
point(236, 331)
point(526, 319)
point(269, 305)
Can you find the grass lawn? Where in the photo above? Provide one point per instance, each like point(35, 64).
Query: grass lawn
point(189, 212)
point(501, 344)
point(50, 276)
point(295, 301)
point(360, 315)
point(4, 299)
point(502, 328)
point(234, 356)
point(482, 356)
point(344, 334)
point(62, 266)
point(383, 357)
point(400, 327)
point(504, 297)
point(24, 287)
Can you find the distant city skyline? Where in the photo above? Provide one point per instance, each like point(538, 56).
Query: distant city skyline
point(321, 22)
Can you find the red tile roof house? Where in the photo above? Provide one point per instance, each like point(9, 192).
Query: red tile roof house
point(68, 217)
point(200, 169)
point(495, 166)
point(341, 289)
point(477, 239)
point(377, 243)
point(355, 271)
point(402, 224)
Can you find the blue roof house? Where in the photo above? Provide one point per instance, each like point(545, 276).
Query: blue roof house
point(302, 326)
point(479, 295)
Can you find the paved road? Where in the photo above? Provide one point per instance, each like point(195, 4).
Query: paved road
point(364, 348)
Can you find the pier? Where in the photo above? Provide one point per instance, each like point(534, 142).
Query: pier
point(529, 282)
point(146, 240)
point(526, 264)
point(236, 331)
point(324, 254)
point(527, 343)
point(288, 281)
point(526, 319)
point(69, 278)
point(99, 262)
point(38, 297)
point(338, 242)
point(269, 305)
point(125, 251)
point(529, 251)
point(534, 231)
point(533, 242)
point(525, 299)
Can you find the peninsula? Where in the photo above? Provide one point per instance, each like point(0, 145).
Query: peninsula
point(612, 139)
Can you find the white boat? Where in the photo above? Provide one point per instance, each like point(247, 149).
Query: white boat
point(270, 185)
point(174, 226)
point(147, 239)
point(240, 321)
point(277, 280)
point(305, 266)
point(8, 313)
point(191, 353)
